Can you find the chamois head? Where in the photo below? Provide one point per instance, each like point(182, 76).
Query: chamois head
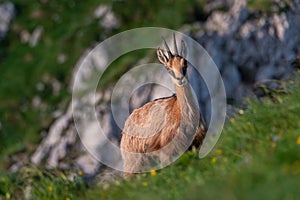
point(174, 63)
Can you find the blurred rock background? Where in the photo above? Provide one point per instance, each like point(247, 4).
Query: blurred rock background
point(42, 43)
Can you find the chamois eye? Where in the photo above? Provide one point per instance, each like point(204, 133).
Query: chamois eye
point(179, 113)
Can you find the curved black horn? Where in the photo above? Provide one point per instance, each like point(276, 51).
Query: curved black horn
point(167, 48)
point(175, 45)
point(183, 49)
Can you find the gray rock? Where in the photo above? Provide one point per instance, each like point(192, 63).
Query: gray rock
point(218, 4)
point(55, 143)
point(7, 13)
point(265, 72)
point(245, 49)
point(256, 48)
point(231, 78)
point(35, 36)
point(108, 19)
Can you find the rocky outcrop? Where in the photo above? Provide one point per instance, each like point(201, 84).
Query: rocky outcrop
point(246, 48)
point(7, 13)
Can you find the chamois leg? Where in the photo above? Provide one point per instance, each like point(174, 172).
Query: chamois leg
point(132, 164)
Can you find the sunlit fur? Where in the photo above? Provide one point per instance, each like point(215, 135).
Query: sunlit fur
point(154, 125)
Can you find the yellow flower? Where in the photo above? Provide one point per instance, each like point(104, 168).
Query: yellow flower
point(117, 183)
point(225, 159)
point(145, 184)
point(273, 144)
point(50, 188)
point(80, 172)
point(7, 195)
point(296, 167)
point(298, 140)
point(219, 152)
point(214, 160)
point(153, 172)
point(232, 120)
point(68, 198)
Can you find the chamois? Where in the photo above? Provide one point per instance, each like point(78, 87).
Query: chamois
point(154, 125)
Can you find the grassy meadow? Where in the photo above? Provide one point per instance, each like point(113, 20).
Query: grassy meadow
point(257, 156)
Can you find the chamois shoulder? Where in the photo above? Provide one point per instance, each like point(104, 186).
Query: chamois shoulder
point(163, 102)
point(151, 110)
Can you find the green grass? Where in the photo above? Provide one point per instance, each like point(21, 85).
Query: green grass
point(69, 28)
point(23, 67)
point(268, 6)
point(44, 184)
point(257, 157)
point(258, 153)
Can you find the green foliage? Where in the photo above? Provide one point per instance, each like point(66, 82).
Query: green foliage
point(66, 31)
point(41, 184)
point(257, 157)
point(69, 28)
point(268, 6)
point(169, 14)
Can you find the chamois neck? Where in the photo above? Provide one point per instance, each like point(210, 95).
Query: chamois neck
point(187, 102)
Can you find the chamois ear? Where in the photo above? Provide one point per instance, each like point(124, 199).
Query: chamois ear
point(161, 57)
point(183, 51)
